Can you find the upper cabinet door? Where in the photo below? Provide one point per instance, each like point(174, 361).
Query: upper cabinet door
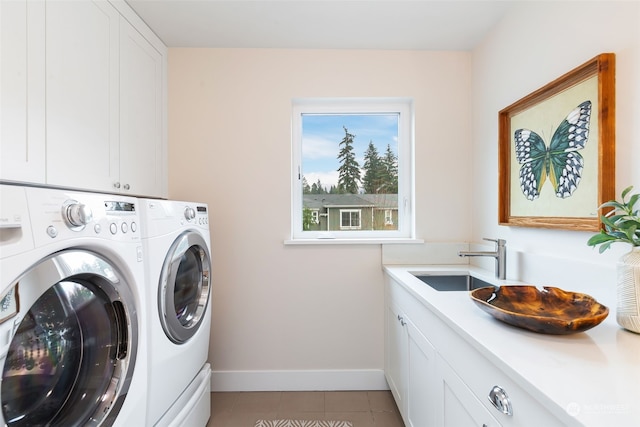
point(141, 107)
point(82, 89)
point(22, 139)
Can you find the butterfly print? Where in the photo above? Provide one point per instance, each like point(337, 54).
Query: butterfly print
point(560, 161)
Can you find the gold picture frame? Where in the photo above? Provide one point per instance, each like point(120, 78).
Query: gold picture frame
point(556, 151)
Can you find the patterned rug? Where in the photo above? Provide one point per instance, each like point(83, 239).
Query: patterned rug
point(302, 423)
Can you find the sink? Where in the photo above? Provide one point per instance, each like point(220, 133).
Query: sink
point(450, 282)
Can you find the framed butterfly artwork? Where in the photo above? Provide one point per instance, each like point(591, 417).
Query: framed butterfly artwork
point(556, 151)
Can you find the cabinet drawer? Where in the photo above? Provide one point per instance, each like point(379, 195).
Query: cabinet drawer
point(481, 376)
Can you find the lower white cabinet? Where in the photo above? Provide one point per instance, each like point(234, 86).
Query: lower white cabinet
point(410, 369)
point(396, 354)
point(421, 376)
point(438, 379)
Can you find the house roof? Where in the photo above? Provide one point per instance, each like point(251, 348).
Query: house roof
point(319, 201)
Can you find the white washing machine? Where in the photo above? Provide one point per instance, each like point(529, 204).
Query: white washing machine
point(73, 346)
point(177, 248)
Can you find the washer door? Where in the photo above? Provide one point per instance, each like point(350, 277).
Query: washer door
point(184, 287)
point(73, 347)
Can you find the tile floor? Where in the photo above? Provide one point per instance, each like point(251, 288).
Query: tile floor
point(362, 408)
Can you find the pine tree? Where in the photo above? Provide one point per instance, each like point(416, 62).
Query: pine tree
point(305, 186)
point(349, 170)
point(375, 171)
point(389, 163)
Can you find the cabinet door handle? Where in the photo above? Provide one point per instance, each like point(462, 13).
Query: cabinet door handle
point(126, 186)
point(500, 400)
point(401, 319)
point(116, 185)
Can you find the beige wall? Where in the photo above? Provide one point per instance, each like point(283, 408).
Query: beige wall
point(319, 308)
point(303, 308)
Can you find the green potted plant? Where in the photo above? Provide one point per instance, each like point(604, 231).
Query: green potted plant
point(622, 225)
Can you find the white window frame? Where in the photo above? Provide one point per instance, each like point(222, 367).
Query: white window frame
point(406, 196)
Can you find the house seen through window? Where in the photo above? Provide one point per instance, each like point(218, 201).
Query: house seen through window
point(352, 169)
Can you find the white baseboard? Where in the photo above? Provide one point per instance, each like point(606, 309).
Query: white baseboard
point(324, 380)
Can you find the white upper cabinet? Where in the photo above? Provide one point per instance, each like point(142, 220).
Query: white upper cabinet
point(22, 139)
point(141, 151)
point(82, 94)
point(83, 97)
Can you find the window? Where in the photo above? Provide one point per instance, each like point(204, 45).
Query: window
point(350, 219)
point(352, 169)
point(388, 217)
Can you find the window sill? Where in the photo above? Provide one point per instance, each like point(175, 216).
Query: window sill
point(372, 241)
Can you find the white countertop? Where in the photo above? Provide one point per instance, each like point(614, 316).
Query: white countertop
point(594, 375)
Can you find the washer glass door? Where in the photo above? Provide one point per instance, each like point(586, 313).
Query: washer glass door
point(71, 358)
point(184, 287)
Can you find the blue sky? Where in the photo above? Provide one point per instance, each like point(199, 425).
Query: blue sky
point(322, 133)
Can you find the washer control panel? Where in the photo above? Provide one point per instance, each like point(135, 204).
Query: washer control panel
point(162, 217)
point(197, 214)
point(59, 214)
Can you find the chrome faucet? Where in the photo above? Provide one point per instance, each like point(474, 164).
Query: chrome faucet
point(500, 254)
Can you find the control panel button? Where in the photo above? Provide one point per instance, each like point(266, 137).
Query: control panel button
point(97, 229)
point(124, 227)
point(113, 228)
point(52, 231)
point(134, 227)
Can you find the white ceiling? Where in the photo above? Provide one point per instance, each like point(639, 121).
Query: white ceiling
point(322, 24)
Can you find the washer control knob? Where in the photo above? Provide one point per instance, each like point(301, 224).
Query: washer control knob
point(189, 213)
point(76, 214)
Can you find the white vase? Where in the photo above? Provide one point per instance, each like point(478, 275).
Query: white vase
point(628, 310)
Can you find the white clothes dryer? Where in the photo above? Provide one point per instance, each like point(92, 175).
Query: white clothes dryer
point(177, 246)
point(73, 350)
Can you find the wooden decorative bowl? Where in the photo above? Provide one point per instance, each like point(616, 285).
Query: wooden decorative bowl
point(548, 310)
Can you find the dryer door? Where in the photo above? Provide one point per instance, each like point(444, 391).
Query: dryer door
point(72, 347)
point(184, 287)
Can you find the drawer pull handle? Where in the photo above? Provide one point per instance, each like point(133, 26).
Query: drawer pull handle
point(500, 400)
